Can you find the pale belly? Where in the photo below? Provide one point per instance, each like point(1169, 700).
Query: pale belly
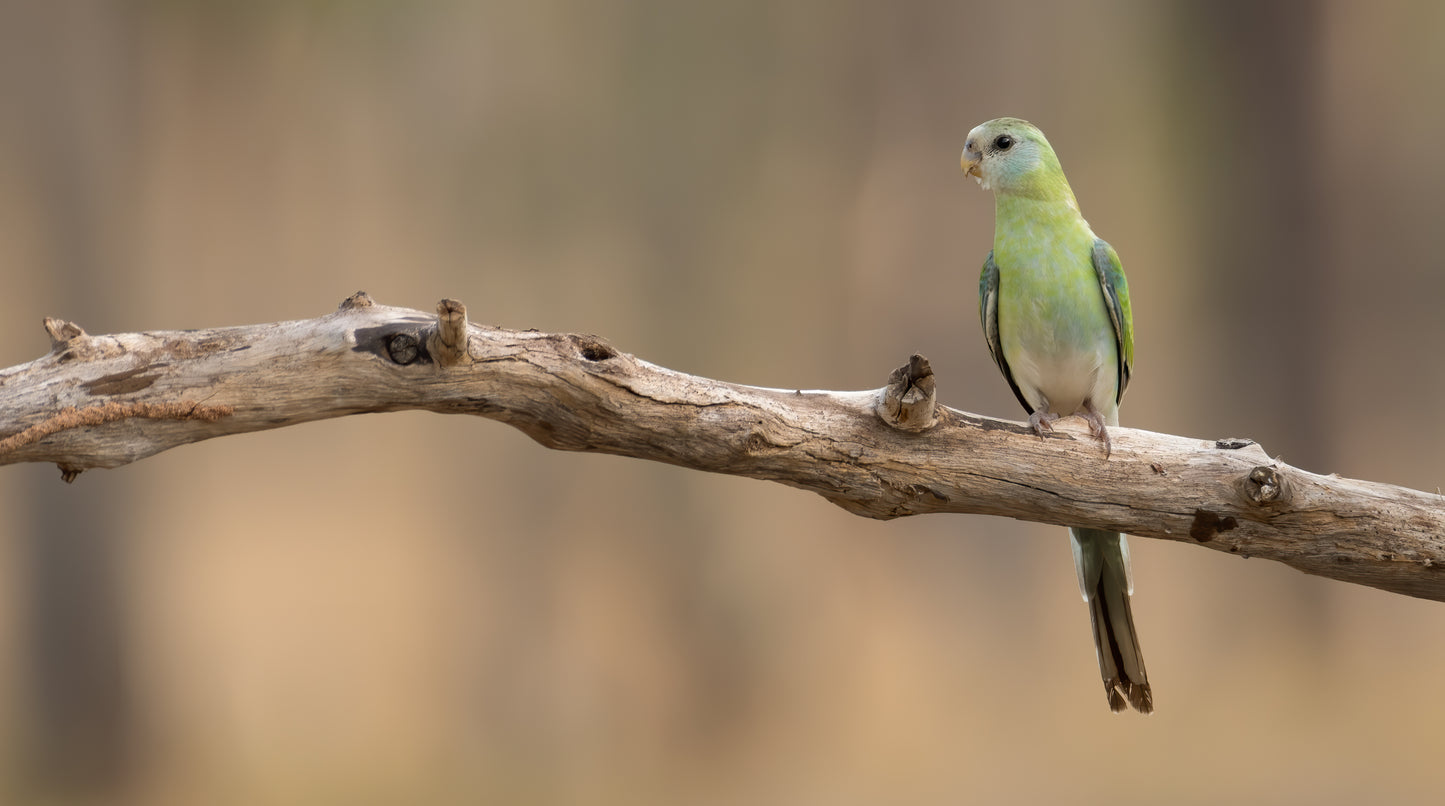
point(1062, 351)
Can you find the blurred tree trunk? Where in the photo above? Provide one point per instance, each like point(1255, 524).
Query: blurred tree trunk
point(78, 730)
point(1257, 140)
point(1250, 126)
point(77, 141)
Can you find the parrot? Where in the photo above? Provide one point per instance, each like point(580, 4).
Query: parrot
point(1056, 315)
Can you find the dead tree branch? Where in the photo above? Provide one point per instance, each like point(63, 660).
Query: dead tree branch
point(104, 401)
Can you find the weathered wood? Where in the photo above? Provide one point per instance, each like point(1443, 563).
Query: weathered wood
point(104, 401)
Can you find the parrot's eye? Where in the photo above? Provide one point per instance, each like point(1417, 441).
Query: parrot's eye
point(1003, 142)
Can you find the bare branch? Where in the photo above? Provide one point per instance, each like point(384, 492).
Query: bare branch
point(104, 401)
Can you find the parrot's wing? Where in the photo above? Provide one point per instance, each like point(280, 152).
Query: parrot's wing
point(988, 312)
point(1116, 301)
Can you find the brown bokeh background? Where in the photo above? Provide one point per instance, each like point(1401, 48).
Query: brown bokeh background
point(759, 191)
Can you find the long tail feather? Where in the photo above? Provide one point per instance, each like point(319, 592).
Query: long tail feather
point(1102, 562)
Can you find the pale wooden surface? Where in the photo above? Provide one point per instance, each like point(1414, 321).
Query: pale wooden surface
point(105, 401)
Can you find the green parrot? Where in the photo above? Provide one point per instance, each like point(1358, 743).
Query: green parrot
point(1055, 310)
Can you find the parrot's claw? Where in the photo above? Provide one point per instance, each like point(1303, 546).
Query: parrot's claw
point(1041, 421)
point(1097, 427)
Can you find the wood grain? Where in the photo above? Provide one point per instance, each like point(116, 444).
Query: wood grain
point(105, 401)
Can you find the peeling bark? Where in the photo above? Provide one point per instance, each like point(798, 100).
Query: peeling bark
point(105, 401)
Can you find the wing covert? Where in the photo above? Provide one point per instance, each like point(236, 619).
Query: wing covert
point(1116, 301)
point(988, 313)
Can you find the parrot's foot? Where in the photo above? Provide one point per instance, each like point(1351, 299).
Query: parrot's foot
point(1042, 420)
point(1097, 427)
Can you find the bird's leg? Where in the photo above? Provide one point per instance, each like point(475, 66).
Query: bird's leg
point(1097, 427)
point(1042, 419)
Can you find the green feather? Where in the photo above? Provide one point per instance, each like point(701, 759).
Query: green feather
point(1057, 319)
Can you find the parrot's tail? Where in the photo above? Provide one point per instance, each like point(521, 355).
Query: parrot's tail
point(1102, 559)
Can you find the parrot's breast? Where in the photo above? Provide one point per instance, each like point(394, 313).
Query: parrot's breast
point(1053, 325)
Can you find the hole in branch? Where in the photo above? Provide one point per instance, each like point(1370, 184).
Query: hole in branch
point(593, 348)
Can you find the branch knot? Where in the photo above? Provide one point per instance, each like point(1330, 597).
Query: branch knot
point(910, 399)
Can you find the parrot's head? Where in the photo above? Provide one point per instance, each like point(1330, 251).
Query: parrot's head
point(1009, 155)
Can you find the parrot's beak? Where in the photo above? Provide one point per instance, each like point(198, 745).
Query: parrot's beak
point(970, 164)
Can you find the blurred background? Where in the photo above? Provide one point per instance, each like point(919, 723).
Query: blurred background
point(762, 191)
